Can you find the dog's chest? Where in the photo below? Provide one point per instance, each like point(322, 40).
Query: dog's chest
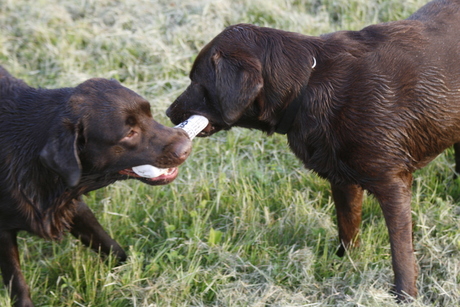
point(318, 154)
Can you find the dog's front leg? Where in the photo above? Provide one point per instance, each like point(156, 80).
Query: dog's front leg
point(87, 228)
point(394, 196)
point(348, 203)
point(11, 269)
point(457, 159)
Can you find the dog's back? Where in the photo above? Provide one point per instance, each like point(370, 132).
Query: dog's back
point(441, 22)
point(438, 12)
point(9, 84)
point(4, 72)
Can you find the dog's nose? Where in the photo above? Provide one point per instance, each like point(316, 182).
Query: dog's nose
point(168, 112)
point(181, 150)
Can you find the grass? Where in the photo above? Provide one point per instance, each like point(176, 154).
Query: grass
point(244, 224)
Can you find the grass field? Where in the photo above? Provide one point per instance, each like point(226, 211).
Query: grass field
point(244, 224)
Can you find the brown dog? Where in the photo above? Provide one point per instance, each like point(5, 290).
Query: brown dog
point(363, 109)
point(59, 144)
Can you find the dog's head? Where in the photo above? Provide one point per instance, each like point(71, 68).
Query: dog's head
point(108, 129)
point(244, 77)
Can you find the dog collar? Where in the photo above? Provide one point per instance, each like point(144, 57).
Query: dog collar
point(287, 119)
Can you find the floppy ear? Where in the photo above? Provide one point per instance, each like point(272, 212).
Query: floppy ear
point(238, 83)
point(60, 155)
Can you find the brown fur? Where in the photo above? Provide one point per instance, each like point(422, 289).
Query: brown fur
point(379, 104)
point(59, 144)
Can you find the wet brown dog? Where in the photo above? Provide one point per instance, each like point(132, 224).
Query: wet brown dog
point(363, 109)
point(59, 144)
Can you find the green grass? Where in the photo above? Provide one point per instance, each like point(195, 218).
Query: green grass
point(244, 224)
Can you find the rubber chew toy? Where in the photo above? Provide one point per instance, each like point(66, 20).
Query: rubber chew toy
point(192, 126)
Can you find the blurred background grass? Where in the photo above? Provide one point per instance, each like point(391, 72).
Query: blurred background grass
point(244, 224)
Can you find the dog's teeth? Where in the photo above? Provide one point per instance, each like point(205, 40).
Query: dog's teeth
point(149, 171)
point(193, 125)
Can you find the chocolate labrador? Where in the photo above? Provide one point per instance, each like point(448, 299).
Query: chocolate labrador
point(363, 109)
point(57, 144)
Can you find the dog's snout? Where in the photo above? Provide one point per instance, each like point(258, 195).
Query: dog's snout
point(175, 114)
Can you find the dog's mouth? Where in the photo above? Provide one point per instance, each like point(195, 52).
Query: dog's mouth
point(209, 130)
point(165, 178)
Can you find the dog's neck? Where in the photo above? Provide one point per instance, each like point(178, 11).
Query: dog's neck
point(288, 116)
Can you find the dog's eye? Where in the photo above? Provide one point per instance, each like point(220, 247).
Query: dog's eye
point(131, 134)
point(130, 137)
